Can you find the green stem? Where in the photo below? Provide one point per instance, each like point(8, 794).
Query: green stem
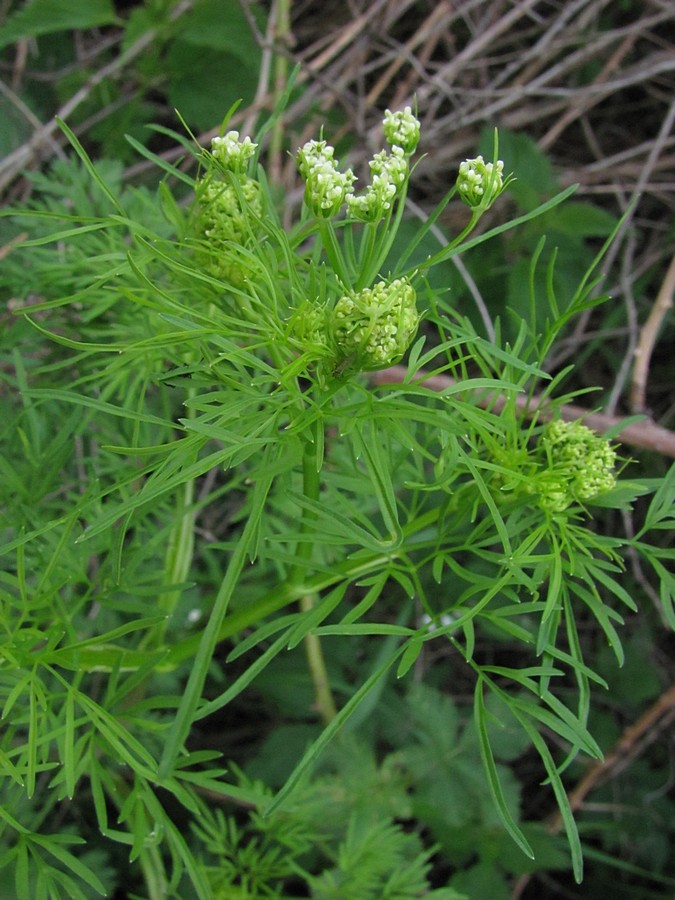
point(379, 249)
point(282, 35)
point(153, 873)
point(311, 485)
point(317, 668)
point(177, 564)
point(365, 254)
point(190, 700)
point(333, 252)
point(109, 657)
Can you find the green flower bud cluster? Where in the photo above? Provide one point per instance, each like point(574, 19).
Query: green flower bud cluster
point(325, 186)
point(308, 329)
point(480, 183)
point(327, 189)
point(231, 153)
point(580, 465)
point(372, 329)
point(225, 219)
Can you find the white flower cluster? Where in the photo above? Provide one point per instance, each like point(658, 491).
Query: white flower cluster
point(388, 173)
point(374, 327)
point(325, 186)
point(402, 129)
point(480, 183)
point(232, 153)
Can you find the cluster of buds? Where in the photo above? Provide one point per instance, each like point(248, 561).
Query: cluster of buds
point(480, 183)
point(388, 174)
point(327, 189)
point(579, 465)
point(325, 186)
point(225, 219)
point(372, 328)
point(233, 154)
point(228, 208)
point(402, 129)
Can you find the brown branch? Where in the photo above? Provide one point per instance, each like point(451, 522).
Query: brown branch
point(23, 156)
point(648, 336)
point(7, 248)
point(646, 434)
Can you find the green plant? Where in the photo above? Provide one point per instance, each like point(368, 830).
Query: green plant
point(226, 485)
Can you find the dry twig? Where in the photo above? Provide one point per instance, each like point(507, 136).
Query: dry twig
point(647, 341)
point(645, 434)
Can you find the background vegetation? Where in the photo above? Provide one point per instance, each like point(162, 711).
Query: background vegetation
point(581, 92)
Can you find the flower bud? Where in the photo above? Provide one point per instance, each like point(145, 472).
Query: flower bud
point(580, 465)
point(480, 183)
point(402, 129)
point(372, 329)
point(232, 153)
point(388, 175)
point(325, 186)
point(226, 218)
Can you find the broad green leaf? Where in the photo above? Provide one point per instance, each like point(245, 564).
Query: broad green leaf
point(48, 16)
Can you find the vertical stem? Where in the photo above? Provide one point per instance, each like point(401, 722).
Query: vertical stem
point(317, 668)
point(311, 485)
point(282, 29)
point(178, 558)
point(366, 255)
point(180, 728)
point(333, 251)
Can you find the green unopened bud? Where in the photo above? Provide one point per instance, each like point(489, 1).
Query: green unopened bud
point(325, 186)
point(580, 465)
point(402, 129)
point(225, 220)
point(480, 183)
point(372, 329)
point(232, 153)
point(308, 328)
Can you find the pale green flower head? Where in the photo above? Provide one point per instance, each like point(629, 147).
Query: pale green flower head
point(372, 329)
point(233, 154)
point(480, 183)
point(580, 465)
point(226, 217)
point(308, 327)
point(402, 129)
point(388, 174)
point(325, 186)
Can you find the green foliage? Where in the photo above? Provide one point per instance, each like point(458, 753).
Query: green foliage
point(216, 496)
point(39, 17)
point(214, 48)
point(200, 58)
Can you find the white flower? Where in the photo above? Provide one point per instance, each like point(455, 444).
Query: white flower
point(388, 175)
point(402, 129)
point(232, 153)
point(325, 186)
